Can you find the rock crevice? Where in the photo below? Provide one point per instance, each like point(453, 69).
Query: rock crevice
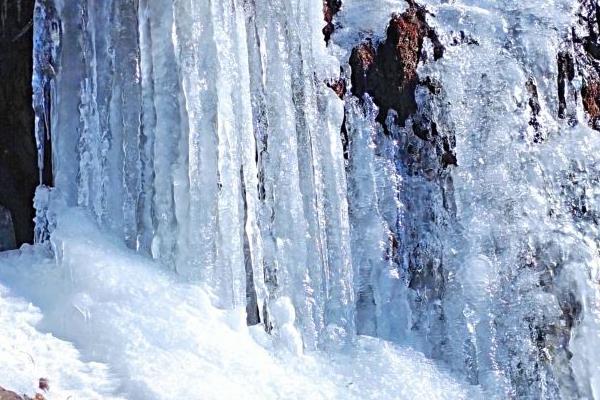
point(18, 152)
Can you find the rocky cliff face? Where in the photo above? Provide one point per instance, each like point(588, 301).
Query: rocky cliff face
point(582, 59)
point(18, 165)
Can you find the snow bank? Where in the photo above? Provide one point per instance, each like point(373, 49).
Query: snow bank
point(107, 322)
point(26, 354)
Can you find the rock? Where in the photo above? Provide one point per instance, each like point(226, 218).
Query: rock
point(590, 93)
point(7, 232)
point(8, 395)
point(584, 61)
point(330, 8)
point(37, 396)
point(388, 71)
point(338, 86)
point(44, 384)
point(18, 151)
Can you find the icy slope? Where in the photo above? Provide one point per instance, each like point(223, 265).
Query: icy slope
point(163, 339)
point(27, 354)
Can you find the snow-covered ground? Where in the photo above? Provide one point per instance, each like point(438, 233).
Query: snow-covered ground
point(100, 322)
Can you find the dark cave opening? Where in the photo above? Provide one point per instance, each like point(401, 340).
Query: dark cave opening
point(18, 155)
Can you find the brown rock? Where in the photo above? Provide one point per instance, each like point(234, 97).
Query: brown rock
point(365, 55)
point(330, 8)
point(338, 86)
point(8, 395)
point(582, 58)
point(591, 100)
point(388, 71)
point(44, 384)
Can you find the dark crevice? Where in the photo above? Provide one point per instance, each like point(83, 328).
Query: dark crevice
point(535, 109)
point(330, 9)
point(18, 152)
point(345, 139)
point(461, 38)
point(566, 73)
point(252, 313)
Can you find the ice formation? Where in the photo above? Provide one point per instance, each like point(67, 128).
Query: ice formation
point(428, 176)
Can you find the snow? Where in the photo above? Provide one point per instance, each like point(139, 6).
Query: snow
point(100, 322)
point(28, 354)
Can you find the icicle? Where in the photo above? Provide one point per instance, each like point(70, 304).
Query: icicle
point(167, 130)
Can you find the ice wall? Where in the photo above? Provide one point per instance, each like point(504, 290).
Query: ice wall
point(227, 141)
point(203, 135)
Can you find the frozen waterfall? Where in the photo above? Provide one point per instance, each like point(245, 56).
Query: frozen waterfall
point(430, 175)
point(206, 138)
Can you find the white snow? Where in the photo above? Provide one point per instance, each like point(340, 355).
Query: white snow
point(100, 321)
point(27, 354)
